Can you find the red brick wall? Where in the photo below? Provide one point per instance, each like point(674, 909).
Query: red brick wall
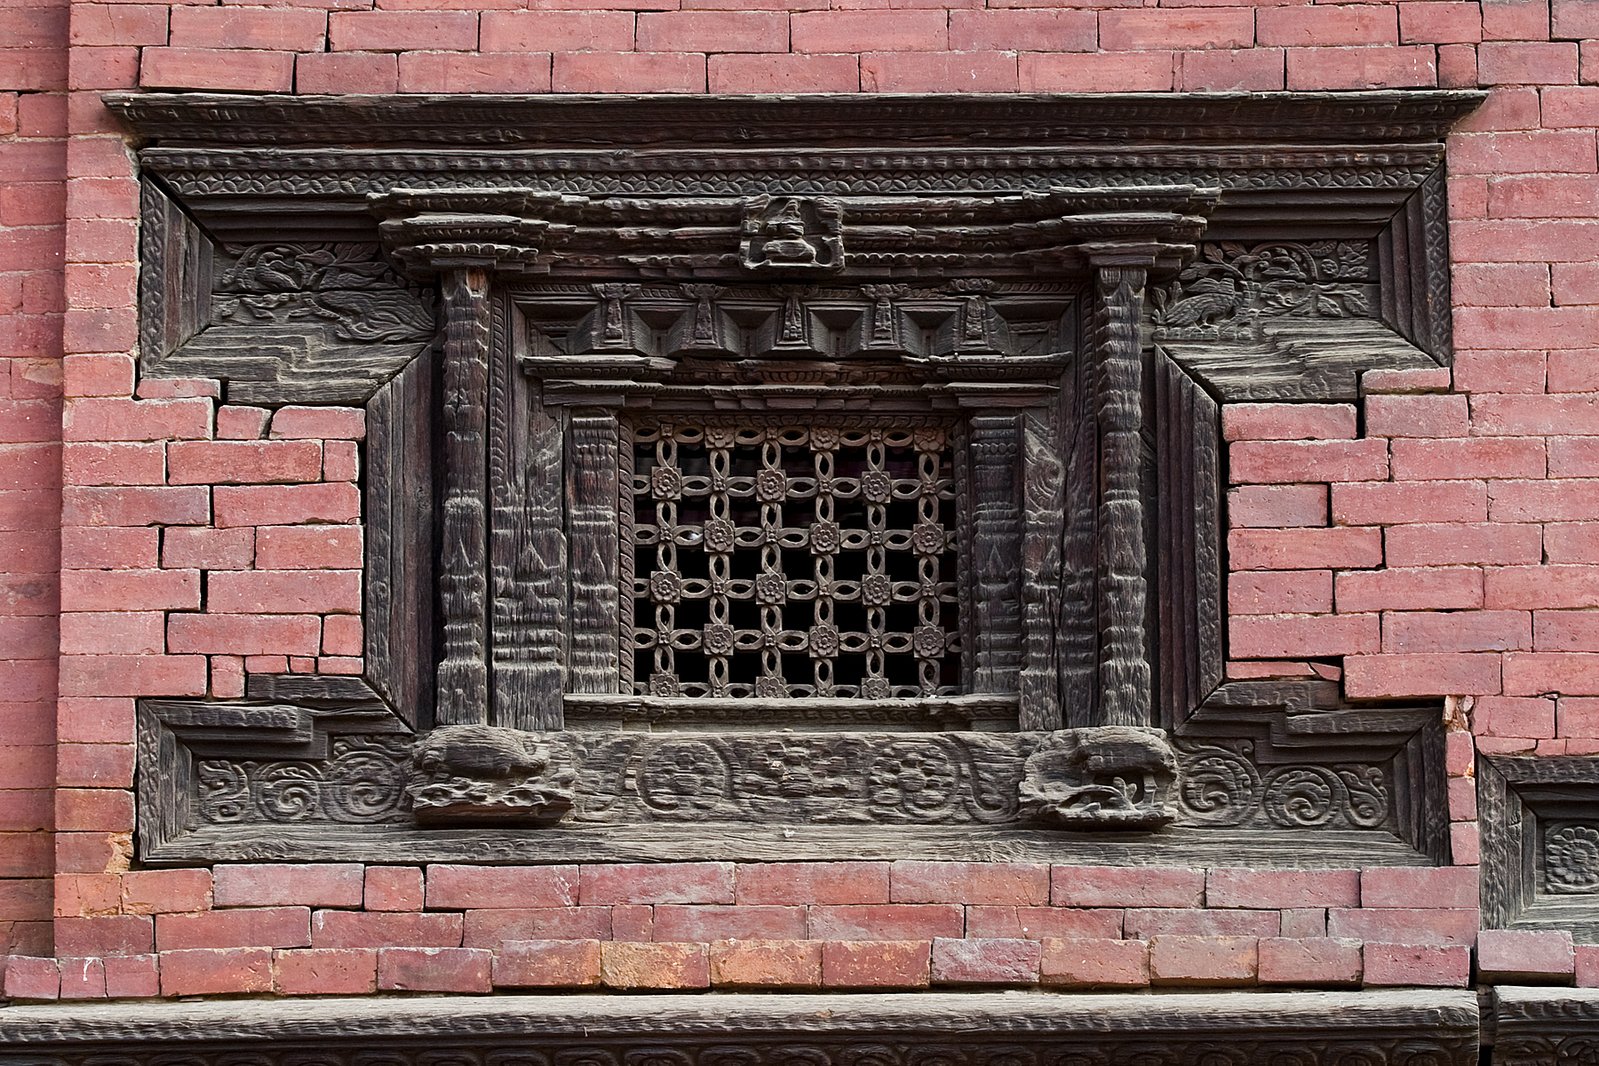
point(1355, 530)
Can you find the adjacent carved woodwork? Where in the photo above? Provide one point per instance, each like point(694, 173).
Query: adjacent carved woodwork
point(1373, 1028)
point(1540, 842)
point(666, 386)
point(1544, 1026)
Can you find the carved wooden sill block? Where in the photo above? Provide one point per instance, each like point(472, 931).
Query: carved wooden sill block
point(482, 773)
point(1103, 777)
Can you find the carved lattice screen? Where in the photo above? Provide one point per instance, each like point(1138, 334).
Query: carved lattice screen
point(790, 559)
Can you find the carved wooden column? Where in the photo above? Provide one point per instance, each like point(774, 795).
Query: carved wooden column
point(463, 684)
point(1125, 678)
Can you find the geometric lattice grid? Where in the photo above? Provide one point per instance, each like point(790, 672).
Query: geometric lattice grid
point(775, 559)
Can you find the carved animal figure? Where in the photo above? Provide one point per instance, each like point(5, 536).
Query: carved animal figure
point(1112, 777)
point(478, 751)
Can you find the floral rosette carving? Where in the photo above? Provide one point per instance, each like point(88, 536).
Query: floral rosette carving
point(1571, 858)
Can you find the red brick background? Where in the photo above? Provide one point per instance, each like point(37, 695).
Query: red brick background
point(1439, 540)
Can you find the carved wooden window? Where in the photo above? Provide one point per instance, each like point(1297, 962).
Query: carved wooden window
point(790, 468)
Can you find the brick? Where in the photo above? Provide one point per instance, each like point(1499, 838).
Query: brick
point(1379, 676)
point(1401, 925)
point(1304, 923)
point(133, 675)
point(1304, 549)
point(1464, 543)
point(32, 978)
point(217, 69)
point(342, 634)
point(130, 977)
point(1525, 956)
point(1573, 19)
point(82, 979)
point(1533, 587)
point(895, 921)
point(1301, 26)
point(1566, 631)
point(1526, 62)
point(1094, 963)
point(120, 934)
point(665, 72)
point(1587, 965)
point(352, 929)
point(284, 884)
point(336, 73)
point(812, 882)
point(393, 888)
point(1497, 285)
point(1578, 718)
point(1203, 960)
point(308, 548)
point(1440, 23)
point(1475, 457)
point(1572, 371)
point(244, 634)
point(674, 922)
point(1392, 965)
point(845, 31)
point(1096, 72)
point(900, 72)
point(135, 505)
point(1155, 28)
point(435, 969)
point(205, 548)
point(491, 928)
point(277, 927)
point(128, 632)
point(288, 592)
point(1294, 461)
point(289, 30)
point(1417, 416)
point(1030, 30)
point(1217, 70)
point(1422, 588)
point(213, 971)
point(1276, 506)
point(548, 964)
point(243, 462)
point(1280, 889)
point(465, 887)
point(165, 891)
point(1126, 886)
point(766, 964)
point(687, 882)
point(321, 423)
point(126, 463)
point(1288, 421)
point(1037, 923)
point(558, 31)
point(654, 966)
point(1146, 923)
point(1279, 592)
point(120, 24)
point(1575, 283)
point(325, 971)
point(712, 31)
point(1408, 632)
point(1539, 673)
point(1284, 636)
point(399, 31)
point(783, 72)
point(877, 964)
point(460, 72)
point(985, 961)
point(109, 548)
point(1561, 197)
point(922, 881)
point(1321, 962)
point(283, 505)
point(1571, 499)
point(1392, 67)
point(1569, 105)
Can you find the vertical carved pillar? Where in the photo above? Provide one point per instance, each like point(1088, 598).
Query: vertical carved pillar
point(996, 551)
point(1126, 686)
point(1043, 498)
point(463, 683)
point(593, 490)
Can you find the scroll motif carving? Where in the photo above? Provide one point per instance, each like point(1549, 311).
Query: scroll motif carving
point(348, 288)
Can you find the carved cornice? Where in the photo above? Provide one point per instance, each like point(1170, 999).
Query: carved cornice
point(1545, 1026)
point(756, 121)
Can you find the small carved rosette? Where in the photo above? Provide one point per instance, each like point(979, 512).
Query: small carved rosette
point(1103, 777)
point(475, 774)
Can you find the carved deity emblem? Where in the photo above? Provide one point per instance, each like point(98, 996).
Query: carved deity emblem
point(792, 233)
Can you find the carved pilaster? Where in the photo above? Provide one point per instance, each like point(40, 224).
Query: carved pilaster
point(1044, 478)
point(1125, 679)
point(592, 492)
point(996, 552)
point(463, 691)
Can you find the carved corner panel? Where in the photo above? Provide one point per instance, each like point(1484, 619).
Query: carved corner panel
point(759, 501)
point(1540, 843)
